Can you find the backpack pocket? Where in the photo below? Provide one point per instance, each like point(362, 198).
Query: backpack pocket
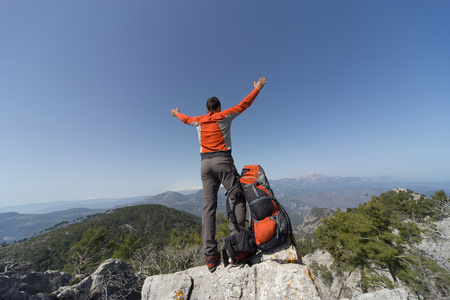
point(264, 229)
point(261, 203)
point(271, 231)
point(282, 222)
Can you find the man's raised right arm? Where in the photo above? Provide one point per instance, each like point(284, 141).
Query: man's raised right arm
point(260, 84)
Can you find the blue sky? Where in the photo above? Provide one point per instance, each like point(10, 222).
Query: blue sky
point(354, 88)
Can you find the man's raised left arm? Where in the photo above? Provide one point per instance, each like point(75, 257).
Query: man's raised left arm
point(174, 112)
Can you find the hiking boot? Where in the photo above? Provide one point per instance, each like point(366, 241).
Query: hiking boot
point(213, 261)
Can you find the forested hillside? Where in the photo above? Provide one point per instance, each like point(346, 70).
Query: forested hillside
point(80, 247)
point(15, 226)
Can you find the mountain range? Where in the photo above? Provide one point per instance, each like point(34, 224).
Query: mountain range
point(95, 203)
point(15, 226)
point(298, 195)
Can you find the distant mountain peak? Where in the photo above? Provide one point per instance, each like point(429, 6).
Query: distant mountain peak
point(313, 175)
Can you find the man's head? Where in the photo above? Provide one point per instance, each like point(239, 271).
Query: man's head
point(213, 105)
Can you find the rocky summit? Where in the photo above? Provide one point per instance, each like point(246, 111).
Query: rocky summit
point(278, 274)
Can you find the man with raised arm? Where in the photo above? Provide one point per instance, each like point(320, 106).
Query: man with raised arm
point(217, 165)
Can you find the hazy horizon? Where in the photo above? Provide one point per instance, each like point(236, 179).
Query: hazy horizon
point(193, 190)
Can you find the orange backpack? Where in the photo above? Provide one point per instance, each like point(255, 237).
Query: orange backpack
point(269, 224)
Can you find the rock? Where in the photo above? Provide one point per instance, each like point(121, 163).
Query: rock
point(438, 247)
point(320, 256)
point(396, 294)
point(274, 275)
point(325, 259)
point(267, 280)
point(9, 291)
point(285, 253)
point(16, 267)
point(349, 289)
point(31, 285)
point(46, 282)
point(113, 279)
point(176, 286)
point(79, 291)
point(310, 223)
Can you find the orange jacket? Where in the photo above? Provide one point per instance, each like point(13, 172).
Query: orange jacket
point(214, 128)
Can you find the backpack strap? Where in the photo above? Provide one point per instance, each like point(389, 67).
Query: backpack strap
point(230, 212)
point(291, 233)
point(225, 260)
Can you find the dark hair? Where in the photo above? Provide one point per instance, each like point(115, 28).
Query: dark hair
point(212, 104)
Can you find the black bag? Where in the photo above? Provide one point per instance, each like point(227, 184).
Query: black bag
point(240, 247)
point(269, 224)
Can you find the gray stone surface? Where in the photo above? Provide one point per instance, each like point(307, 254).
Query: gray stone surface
point(274, 275)
point(26, 284)
point(438, 247)
point(396, 294)
point(266, 280)
point(113, 279)
point(350, 288)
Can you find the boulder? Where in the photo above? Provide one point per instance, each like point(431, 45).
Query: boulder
point(113, 279)
point(9, 291)
point(395, 294)
point(277, 274)
point(328, 291)
point(46, 282)
point(437, 245)
point(16, 267)
point(31, 285)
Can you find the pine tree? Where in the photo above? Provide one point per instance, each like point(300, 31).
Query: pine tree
point(126, 246)
point(85, 255)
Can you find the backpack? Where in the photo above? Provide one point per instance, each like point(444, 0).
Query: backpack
point(269, 224)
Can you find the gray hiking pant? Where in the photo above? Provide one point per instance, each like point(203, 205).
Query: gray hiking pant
point(216, 171)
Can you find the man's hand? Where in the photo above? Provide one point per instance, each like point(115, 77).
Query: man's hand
point(175, 112)
point(260, 84)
